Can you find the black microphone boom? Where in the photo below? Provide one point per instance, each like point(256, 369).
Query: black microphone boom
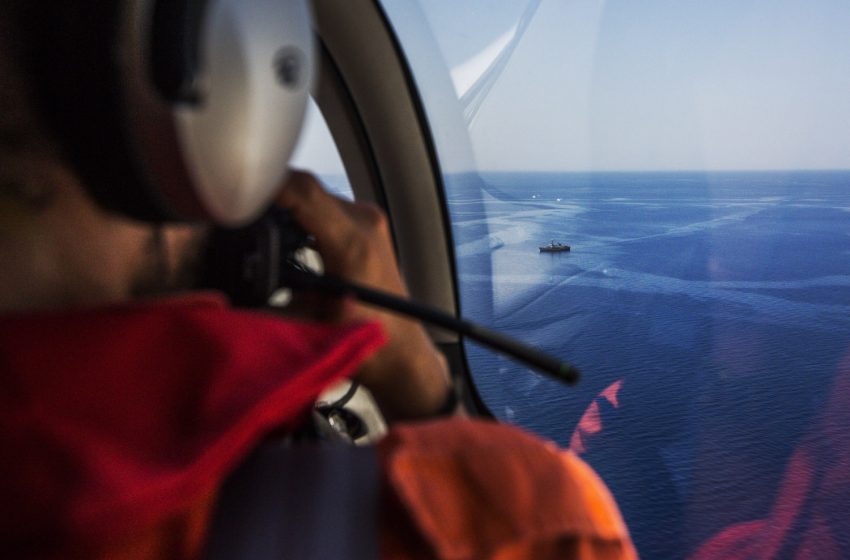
point(298, 278)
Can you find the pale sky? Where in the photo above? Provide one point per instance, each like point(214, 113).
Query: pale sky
point(633, 85)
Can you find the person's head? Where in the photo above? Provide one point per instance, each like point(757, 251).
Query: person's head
point(60, 247)
point(57, 246)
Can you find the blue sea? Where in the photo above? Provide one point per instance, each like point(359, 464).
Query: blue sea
point(720, 302)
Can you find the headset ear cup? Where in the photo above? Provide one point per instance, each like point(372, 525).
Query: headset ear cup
point(216, 151)
point(254, 84)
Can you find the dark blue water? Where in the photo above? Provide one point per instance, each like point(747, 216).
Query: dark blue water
point(721, 301)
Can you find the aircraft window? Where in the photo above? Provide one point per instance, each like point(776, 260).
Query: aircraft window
point(696, 158)
point(317, 152)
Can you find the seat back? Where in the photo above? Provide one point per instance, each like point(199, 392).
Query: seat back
point(305, 501)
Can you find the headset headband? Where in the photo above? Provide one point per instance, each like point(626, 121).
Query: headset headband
point(174, 109)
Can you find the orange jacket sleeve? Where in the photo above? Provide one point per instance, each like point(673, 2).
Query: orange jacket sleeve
point(464, 489)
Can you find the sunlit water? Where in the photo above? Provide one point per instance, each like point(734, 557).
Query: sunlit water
point(721, 300)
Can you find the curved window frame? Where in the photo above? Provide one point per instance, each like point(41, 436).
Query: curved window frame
point(368, 97)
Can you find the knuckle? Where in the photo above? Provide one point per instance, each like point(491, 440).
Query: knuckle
point(360, 244)
point(374, 218)
point(312, 190)
point(359, 251)
point(305, 186)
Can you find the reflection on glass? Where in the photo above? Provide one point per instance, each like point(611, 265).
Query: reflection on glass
point(695, 156)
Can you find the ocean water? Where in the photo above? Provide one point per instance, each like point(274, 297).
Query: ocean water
point(716, 309)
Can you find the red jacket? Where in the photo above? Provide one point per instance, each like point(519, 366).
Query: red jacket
point(120, 423)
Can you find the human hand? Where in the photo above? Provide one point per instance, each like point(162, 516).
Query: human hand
point(408, 377)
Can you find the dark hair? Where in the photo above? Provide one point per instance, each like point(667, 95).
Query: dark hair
point(21, 132)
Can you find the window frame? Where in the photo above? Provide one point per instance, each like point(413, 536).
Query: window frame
point(368, 97)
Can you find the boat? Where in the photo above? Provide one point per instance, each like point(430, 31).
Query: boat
point(553, 247)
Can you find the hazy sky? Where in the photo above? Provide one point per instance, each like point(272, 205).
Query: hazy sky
point(633, 85)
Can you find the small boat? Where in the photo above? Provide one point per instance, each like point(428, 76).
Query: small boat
point(553, 247)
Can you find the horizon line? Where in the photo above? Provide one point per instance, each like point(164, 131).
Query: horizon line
point(776, 170)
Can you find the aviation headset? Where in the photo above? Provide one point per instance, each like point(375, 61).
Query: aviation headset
point(173, 110)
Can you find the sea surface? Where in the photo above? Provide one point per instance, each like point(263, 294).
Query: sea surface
point(714, 307)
